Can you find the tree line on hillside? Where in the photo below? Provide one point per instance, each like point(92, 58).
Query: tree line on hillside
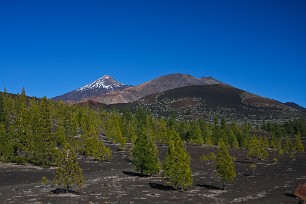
point(288, 128)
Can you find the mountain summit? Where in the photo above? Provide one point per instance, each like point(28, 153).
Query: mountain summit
point(105, 82)
point(103, 85)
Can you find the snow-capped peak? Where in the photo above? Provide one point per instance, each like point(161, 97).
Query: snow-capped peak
point(105, 82)
point(105, 77)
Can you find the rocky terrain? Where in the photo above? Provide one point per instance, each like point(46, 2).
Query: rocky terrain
point(274, 181)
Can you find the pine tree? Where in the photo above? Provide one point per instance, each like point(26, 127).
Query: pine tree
point(45, 151)
point(4, 144)
point(196, 134)
point(91, 146)
point(2, 112)
point(256, 148)
point(69, 174)
point(266, 142)
point(21, 132)
point(288, 145)
point(113, 130)
point(299, 144)
point(225, 165)
point(176, 168)
point(145, 154)
point(235, 143)
point(207, 135)
point(162, 131)
point(273, 143)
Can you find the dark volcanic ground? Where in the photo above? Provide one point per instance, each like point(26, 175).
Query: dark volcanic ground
point(117, 182)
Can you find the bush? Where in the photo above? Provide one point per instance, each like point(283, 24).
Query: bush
point(44, 181)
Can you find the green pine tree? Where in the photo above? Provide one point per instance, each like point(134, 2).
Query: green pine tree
point(207, 135)
point(256, 148)
point(145, 154)
point(287, 147)
point(225, 165)
point(162, 131)
point(235, 143)
point(69, 174)
point(299, 144)
point(196, 134)
point(176, 168)
point(266, 142)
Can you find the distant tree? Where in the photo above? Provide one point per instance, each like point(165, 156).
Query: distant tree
point(4, 144)
point(196, 134)
point(207, 135)
point(145, 154)
point(266, 142)
point(176, 167)
point(299, 144)
point(162, 131)
point(235, 143)
point(91, 145)
point(256, 148)
point(275, 142)
point(44, 180)
point(209, 157)
point(288, 147)
point(223, 123)
point(225, 165)
point(69, 174)
point(114, 131)
point(44, 147)
point(183, 130)
point(2, 112)
point(223, 136)
point(172, 120)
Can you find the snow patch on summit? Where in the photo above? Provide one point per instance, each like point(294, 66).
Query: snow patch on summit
point(105, 82)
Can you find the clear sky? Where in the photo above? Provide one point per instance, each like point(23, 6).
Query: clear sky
point(54, 46)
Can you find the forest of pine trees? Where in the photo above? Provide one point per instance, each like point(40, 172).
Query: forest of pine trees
point(39, 131)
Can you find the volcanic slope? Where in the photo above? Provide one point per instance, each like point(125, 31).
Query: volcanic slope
point(163, 83)
point(295, 106)
point(218, 100)
point(99, 87)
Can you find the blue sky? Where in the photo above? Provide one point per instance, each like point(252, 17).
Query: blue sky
point(51, 47)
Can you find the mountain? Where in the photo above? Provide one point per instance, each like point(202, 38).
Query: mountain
point(163, 83)
point(99, 87)
point(187, 96)
point(218, 100)
point(295, 106)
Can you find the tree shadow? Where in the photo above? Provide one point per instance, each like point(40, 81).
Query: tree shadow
point(210, 187)
point(161, 187)
point(128, 160)
point(244, 162)
point(63, 191)
point(129, 173)
point(290, 195)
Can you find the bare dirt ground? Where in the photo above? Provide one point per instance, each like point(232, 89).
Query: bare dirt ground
point(117, 182)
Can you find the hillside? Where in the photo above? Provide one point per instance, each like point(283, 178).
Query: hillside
point(295, 106)
point(187, 96)
point(213, 101)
